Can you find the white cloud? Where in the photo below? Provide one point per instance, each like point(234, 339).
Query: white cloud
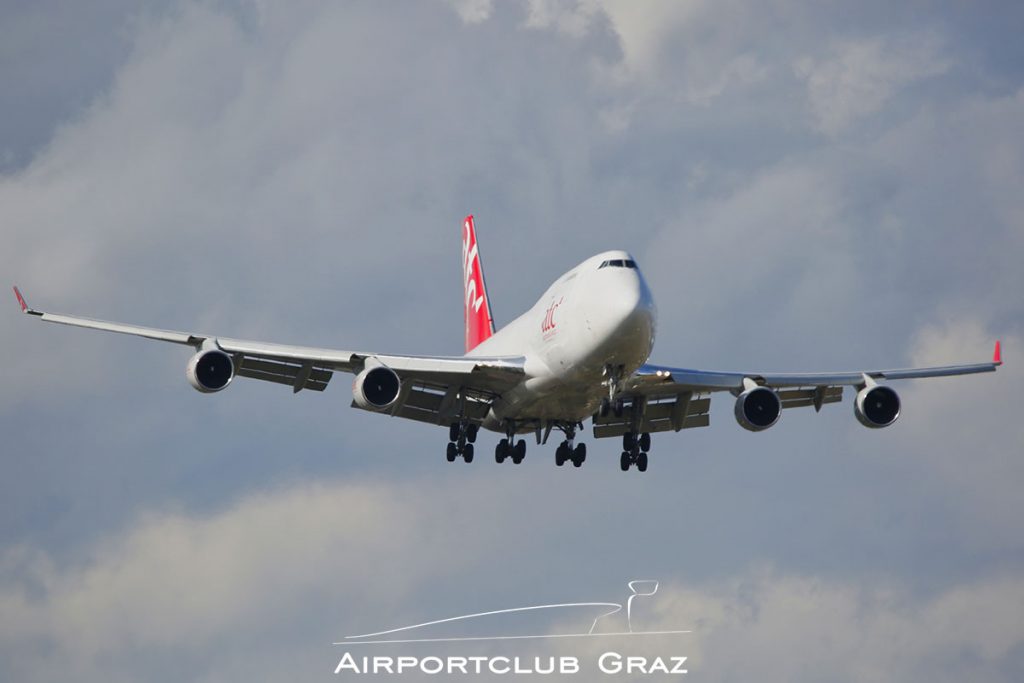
point(861, 76)
point(571, 17)
point(964, 434)
point(334, 555)
point(220, 590)
point(472, 11)
point(763, 624)
point(802, 628)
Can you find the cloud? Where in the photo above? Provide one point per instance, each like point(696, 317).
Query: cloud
point(860, 77)
point(805, 628)
point(220, 591)
point(335, 556)
point(472, 11)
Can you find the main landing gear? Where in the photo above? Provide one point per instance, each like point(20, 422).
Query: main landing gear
point(566, 451)
point(461, 436)
point(509, 448)
point(506, 449)
point(634, 451)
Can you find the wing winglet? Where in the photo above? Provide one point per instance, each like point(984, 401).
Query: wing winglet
point(21, 302)
point(997, 354)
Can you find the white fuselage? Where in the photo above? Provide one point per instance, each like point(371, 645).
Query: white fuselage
point(590, 319)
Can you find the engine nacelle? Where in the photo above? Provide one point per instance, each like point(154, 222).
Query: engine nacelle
point(877, 406)
point(758, 408)
point(210, 371)
point(376, 388)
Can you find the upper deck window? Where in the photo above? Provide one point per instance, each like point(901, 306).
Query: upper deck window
point(618, 263)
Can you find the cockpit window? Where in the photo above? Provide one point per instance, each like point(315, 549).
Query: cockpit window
point(618, 263)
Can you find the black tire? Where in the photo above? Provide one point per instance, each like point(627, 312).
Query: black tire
point(453, 451)
point(471, 432)
point(454, 432)
point(520, 451)
point(467, 452)
point(645, 442)
point(579, 454)
point(624, 461)
point(500, 451)
point(560, 454)
point(641, 462)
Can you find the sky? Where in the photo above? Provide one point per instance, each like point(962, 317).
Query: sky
point(806, 186)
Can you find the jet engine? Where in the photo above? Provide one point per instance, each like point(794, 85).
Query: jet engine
point(758, 408)
point(376, 388)
point(877, 406)
point(210, 371)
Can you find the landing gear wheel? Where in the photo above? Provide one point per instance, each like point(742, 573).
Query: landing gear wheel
point(579, 454)
point(471, 432)
point(645, 442)
point(453, 452)
point(501, 451)
point(624, 461)
point(617, 407)
point(561, 454)
point(519, 452)
point(454, 432)
point(628, 441)
point(467, 452)
point(641, 462)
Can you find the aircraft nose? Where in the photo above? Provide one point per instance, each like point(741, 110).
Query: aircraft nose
point(628, 304)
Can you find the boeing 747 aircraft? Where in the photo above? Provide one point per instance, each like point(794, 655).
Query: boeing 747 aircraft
point(580, 353)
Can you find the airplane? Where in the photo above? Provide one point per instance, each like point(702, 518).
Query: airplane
point(581, 352)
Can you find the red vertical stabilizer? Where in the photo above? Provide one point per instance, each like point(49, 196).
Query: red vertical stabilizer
point(479, 322)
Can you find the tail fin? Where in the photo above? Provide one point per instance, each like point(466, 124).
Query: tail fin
point(479, 321)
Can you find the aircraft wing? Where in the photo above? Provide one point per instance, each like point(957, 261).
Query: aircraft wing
point(434, 388)
point(676, 398)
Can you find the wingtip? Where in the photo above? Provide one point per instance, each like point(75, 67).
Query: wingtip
point(21, 299)
point(997, 354)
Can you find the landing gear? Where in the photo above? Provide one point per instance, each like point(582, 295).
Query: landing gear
point(611, 406)
point(579, 454)
point(576, 455)
point(562, 453)
point(566, 451)
point(634, 451)
point(519, 452)
point(506, 449)
point(461, 436)
point(612, 403)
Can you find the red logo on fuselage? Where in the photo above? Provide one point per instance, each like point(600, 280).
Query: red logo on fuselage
point(548, 324)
